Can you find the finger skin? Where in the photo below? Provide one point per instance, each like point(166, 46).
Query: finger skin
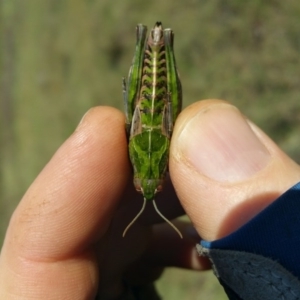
point(218, 207)
point(48, 253)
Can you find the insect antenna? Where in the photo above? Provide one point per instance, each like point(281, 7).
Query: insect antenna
point(135, 218)
point(169, 222)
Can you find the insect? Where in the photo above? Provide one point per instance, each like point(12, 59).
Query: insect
point(152, 99)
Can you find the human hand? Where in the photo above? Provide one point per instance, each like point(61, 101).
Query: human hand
point(224, 168)
point(65, 238)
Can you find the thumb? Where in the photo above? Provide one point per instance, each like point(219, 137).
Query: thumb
point(225, 169)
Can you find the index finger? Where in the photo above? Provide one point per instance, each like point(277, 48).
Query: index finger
point(65, 211)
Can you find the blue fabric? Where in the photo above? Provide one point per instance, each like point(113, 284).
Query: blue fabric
point(274, 233)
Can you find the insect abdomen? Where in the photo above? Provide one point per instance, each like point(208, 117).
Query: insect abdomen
point(152, 100)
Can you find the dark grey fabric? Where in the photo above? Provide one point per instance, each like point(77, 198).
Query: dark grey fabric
point(251, 276)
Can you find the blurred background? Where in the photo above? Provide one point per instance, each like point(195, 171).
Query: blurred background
point(58, 58)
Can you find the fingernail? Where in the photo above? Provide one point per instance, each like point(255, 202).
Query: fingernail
point(220, 144)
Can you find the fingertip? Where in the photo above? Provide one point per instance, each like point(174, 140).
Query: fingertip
point(70, 204)
point(65, 211)
point(223, 169)
point(108, 115)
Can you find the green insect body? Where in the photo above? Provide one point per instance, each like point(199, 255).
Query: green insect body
point(152, 100)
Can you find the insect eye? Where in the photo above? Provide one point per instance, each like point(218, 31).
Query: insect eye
point(137, 185)
point(158, 189)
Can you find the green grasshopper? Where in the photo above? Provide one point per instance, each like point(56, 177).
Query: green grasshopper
point(152, 99)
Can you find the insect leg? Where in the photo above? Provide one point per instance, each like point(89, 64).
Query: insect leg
point(174, 84)
point(131, 88)
point(169, 115)
point(126, 108)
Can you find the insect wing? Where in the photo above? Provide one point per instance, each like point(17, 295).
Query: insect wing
point(136, 125)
